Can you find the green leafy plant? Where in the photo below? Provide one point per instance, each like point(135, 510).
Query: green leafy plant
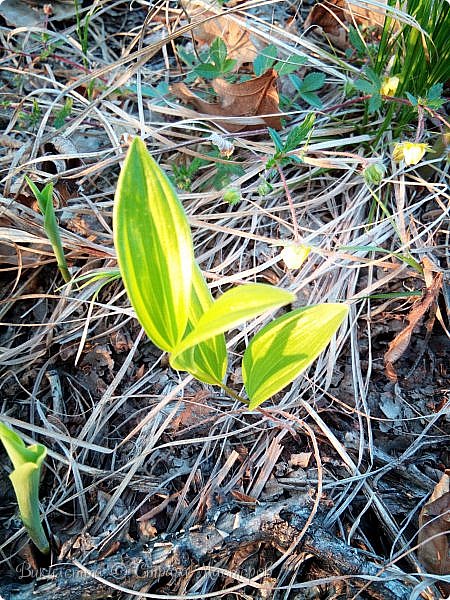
point(371, 86)
point(184, 174)
point(27, 462)
point(174, 305)
point(296, 136)
point(29, 120)
point(63, 113)
point(267, 59)
point(416, 44)
point(432, 99)
point(217, 64)
point(307, 87)
point(44, 199)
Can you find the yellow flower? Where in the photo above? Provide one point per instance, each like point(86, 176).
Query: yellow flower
point(294, 255)
point(410, 152)
point(389, 86)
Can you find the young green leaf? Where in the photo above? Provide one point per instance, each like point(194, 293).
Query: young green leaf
point(276, 139)
point(265, 60)
point(218, 51)
point(207, 361)
point(286, 347)
point(233, 308)
point(44, 199)
point(154, 247)
point(313, 81)
point(293, 63)
point(27, 462)
point(299, 133)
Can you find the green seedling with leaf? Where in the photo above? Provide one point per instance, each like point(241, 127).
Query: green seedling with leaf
point(44, 199)
point(307, 87)
point(296, 136)
point(27, 462)
point(173, 303)
point(217, 64)
point(267, 59)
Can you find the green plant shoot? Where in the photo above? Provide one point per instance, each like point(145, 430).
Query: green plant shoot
point(172, 301)
point(44, 199)
point(27, 462)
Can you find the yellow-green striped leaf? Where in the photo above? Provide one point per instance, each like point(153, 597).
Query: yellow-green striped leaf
point(154, 247)
point(286, 347)
point(207, 361)
point(233, 308)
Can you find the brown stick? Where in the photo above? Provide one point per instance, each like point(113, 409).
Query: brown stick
point(277, 524)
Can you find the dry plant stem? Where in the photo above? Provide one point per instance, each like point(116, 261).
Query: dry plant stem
point(290, 202)
point(276, 524)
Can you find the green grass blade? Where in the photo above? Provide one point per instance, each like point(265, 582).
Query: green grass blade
point(286, 347)
point(44, 199)
point(154, 247)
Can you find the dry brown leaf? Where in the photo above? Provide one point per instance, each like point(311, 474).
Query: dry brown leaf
point(301, 459)
point(401, 341)
point(255, 97)
point(433, 537)
point(237, 39)
point(332, 17)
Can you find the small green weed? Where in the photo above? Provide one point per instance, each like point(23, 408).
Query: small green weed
point(267, 59)
point(296, 136)
point(217, 64)
point(63, 113)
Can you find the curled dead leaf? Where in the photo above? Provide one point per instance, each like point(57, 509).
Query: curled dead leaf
point(237, 39)
point(255, 97)
point(332, 17)
point(434, 527)
point(400, 343)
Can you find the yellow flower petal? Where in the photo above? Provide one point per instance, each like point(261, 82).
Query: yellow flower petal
point(294, 255)
point(410, 152)
point(389, 86)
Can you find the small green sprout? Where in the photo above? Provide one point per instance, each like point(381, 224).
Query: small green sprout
point(217, 63)
point(173, 303)
point(44, 199)
point(296, 136)
point(63, 113)
point(267, 59)
point(307, 87)
point(232, 196)
point(27, 462)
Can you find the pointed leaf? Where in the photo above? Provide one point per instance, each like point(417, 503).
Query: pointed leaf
point(313, 81)
point(265, 59)
point(312, 99)
point(233, 308)
point(299, 133)
point(284, 348)
point(207, 361)
point(293, 63)
point(154, 247)
point(276, 139)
